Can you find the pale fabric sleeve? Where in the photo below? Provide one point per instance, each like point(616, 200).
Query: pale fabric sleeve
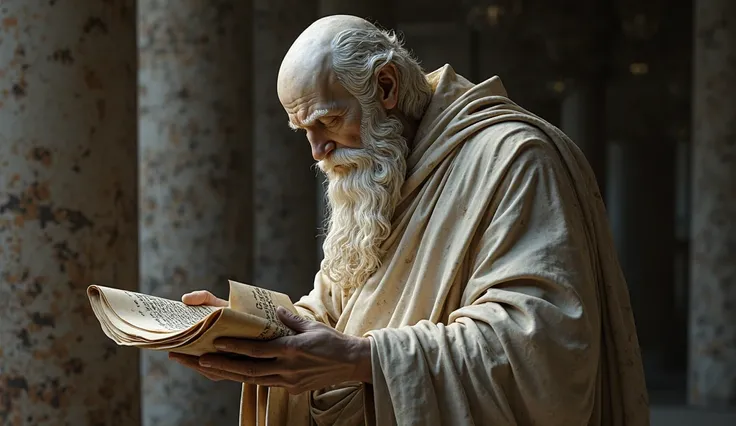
point(523, 348)
point(322, 303)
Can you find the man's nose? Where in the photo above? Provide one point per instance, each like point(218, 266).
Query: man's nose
point(321, 148)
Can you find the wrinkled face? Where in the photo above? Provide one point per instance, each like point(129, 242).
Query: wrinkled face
point(363, 153)
point(322, 108)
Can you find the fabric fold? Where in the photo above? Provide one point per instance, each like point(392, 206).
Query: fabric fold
point(500, 299)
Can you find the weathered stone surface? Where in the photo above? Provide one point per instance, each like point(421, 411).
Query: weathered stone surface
point(712, 372)
point(196, 186)
point(68, 214)
point(285, 176)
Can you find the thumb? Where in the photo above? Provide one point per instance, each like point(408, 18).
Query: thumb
point(203, 297)
point(294, 322)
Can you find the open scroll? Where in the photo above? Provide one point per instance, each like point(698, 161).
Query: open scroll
point(150, 322)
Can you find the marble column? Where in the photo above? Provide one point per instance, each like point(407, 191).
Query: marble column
point(68, 209)
point(196, 183)
point(712, 372)
point(583, 112)
point(640, 199)
point(285, 175)
point(583, 119)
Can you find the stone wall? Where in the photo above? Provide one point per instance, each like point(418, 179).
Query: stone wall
point(68, 209)
point(712, 378)
point(195, 140)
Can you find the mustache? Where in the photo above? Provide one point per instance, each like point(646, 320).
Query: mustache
point(346, 157)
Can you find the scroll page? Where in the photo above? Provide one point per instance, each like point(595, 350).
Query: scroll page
point(261, 303)
point(151, 313)
point(149, 322)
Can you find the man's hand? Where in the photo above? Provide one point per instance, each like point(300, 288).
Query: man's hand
point(316, 357)
point(201, 297)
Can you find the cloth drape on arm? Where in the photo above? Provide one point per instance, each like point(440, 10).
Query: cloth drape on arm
point(500, 300)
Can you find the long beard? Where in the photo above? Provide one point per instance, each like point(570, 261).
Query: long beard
point(364, 187)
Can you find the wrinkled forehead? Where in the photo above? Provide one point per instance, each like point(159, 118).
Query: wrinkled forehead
point(299, 84)
point(304, 91)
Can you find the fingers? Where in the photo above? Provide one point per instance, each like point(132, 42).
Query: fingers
point(254, 348)
point(253, 376)
point(242, 367)
point(223, 375)
point(292, 321)
point(203, 297)
point(213, 375)
point(186, 360)
point(193, 363)
point(216, 374)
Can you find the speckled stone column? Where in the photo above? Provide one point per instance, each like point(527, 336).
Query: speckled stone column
point(68, 215)
point(196, 197)
point(713, 253)
point(285, 178)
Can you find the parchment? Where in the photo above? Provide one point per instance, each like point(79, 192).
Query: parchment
point(153, 313)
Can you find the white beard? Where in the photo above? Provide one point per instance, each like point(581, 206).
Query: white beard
point(364, 187)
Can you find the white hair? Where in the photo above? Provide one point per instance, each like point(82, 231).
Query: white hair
point(362, 201)
point(362, 198)
point(359, 54)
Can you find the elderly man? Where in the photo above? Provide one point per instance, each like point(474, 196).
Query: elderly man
point(469, 273)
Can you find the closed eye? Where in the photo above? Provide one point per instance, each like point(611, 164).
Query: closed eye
point(330, 121)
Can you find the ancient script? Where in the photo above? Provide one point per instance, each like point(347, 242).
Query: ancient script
point(265, 304)
point(169, 315)
point(151, 322)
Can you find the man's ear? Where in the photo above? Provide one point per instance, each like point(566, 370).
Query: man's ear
point(388, 86)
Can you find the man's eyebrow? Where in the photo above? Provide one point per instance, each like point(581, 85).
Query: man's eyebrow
point(314, 116)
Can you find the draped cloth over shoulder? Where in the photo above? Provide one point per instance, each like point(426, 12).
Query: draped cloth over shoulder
point(500, 300)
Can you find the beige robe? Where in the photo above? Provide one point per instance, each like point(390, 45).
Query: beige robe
point(500, 301)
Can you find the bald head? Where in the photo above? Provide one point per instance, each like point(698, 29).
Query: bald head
point(358, 94)
point(309, 55)
point(342, 69)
